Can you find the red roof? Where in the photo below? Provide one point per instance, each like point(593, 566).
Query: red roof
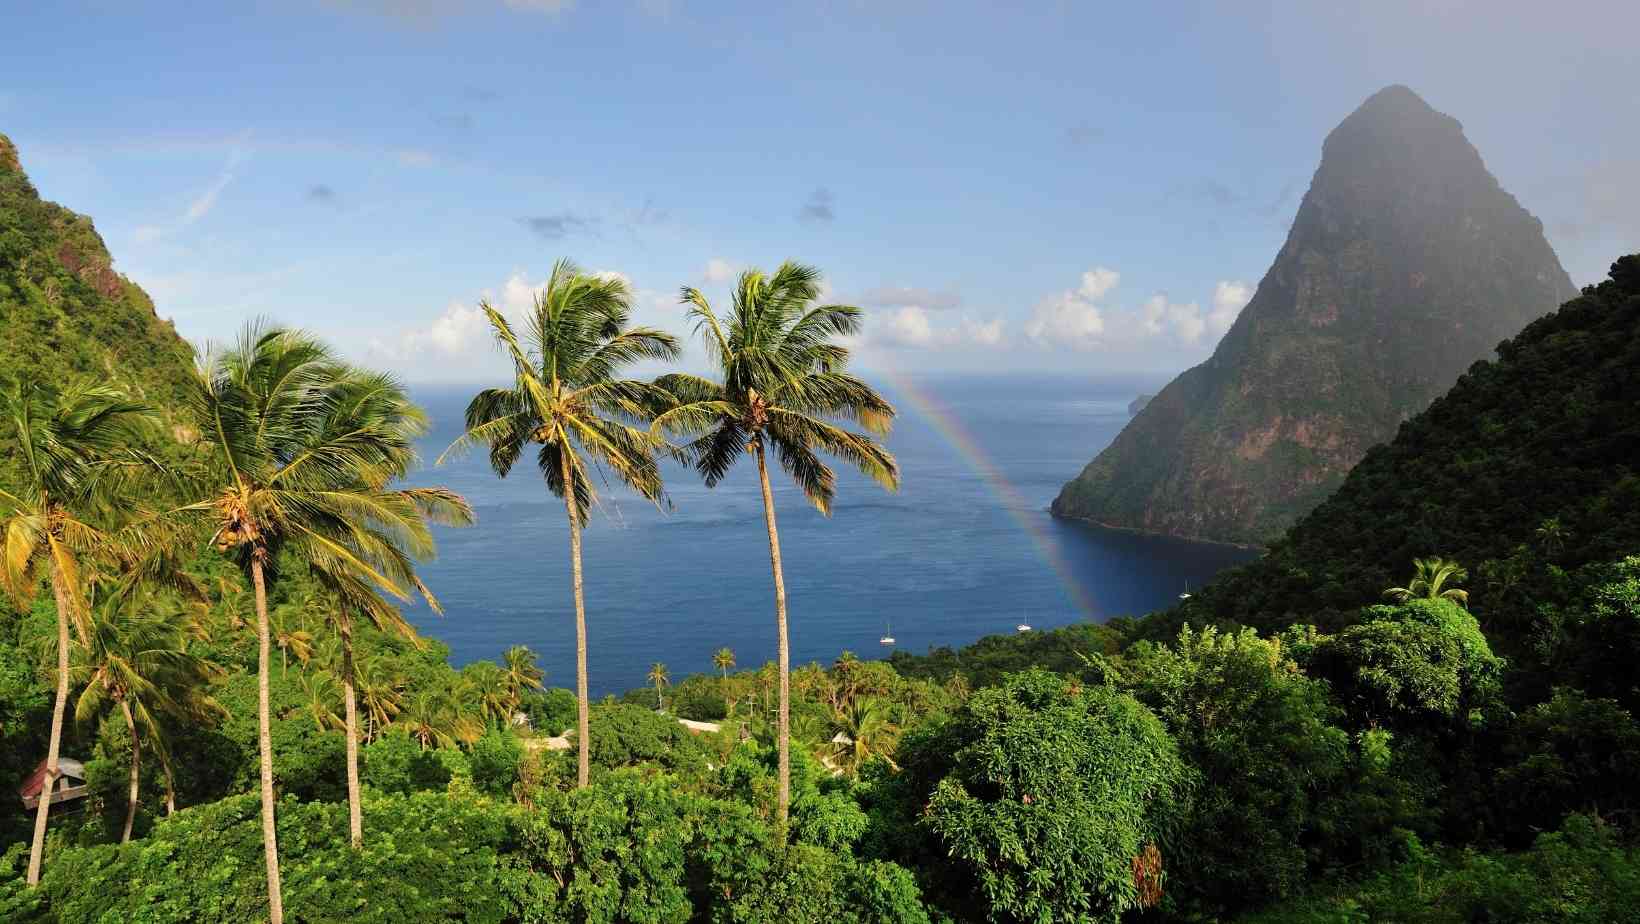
point(68, 767)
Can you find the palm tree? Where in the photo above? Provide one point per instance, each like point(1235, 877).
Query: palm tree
point(406, 538)
point(65, 440)
point(782, 385)
point(1429, 580)
point(660, 678)
point(439, 718)
point(380, 692)
point(298, 466)
point(864, 728)
point(566, 398)
point(724, 660)
point(324, 697)
point(135, 658)
point(522, 672)
point(1553, 534)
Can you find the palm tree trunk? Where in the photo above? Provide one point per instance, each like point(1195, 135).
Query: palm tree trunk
point(136, 765)
point(583, 704)
point(270, 836)
point(355, 820)
point(38, 847)
point(170, 788)
point(784, 727)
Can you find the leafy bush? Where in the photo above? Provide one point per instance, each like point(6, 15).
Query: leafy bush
point(621, 735)
point(397, 763)
point(1051, 799)
point(494, 760)
point(1264, 738)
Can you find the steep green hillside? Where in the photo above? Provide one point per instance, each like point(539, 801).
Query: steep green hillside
point(1529, 466)
point(1406, 263)
point(63, 308)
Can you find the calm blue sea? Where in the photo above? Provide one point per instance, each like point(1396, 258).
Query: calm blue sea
point(946, 560)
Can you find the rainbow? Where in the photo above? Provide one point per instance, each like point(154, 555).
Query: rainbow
point(950, 429)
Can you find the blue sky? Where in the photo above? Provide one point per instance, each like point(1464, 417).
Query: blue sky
point(1042, 186)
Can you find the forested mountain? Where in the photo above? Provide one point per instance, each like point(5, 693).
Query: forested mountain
point(1531, 461)
point(1406, 262)
point(65, 311)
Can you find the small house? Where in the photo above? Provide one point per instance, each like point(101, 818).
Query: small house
point(70, 783)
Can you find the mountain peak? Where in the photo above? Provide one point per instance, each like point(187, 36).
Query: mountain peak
point(1405, 263)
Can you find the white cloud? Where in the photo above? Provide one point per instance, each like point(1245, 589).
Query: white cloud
point(459, 337)
point(1097, 283)
point(986, 333)
point(912, 327)
point(1076, 319)
point(1066, 320)
point(718, 271)
point(1229, 297)
point(461, 331)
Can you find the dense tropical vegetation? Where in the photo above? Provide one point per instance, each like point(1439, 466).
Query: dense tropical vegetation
point(1292, 744)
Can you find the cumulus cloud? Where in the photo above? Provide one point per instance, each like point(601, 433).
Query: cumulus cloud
point(1066, 320)
point(461, 329)
point(818, 208)
point(1080, 319)
point(1097, 283)
point(718, 271)
point(1229, 297)
point(911, 326)
point(459, 337)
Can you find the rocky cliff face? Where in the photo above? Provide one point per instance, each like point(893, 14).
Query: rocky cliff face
point(1406, 263)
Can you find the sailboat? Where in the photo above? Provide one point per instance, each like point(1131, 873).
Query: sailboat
point(888, 634)
point(1185, 594)
point(1022, 627)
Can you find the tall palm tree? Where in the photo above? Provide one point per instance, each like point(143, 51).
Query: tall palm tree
point(782, 388)
point(297, 467)
point(724, 660)
point(135, 659)
point(409, 538)
point(1429, 579)
point(660, 678)
point(65, 440)
point(567, 399)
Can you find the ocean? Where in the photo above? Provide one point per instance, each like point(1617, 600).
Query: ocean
point(966, 547)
